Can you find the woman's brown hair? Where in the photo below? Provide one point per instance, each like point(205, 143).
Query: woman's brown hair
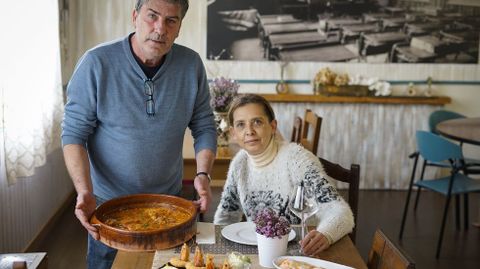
point(250, 98)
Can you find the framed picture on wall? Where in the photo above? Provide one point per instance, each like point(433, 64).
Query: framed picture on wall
point(365, 31)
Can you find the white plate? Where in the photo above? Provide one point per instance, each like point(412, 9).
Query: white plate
point(244, 233)
point(312, 261)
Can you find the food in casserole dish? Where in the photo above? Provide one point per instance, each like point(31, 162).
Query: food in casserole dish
point(147, 217)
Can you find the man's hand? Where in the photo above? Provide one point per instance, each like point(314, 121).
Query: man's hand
point(84, 210)
point(202, 186)
point(201, 183)
point(314, 243)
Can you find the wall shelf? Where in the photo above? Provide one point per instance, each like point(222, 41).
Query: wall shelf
point(400, 100)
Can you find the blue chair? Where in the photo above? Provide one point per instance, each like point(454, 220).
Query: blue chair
point(434, 148)
point(441, 115)
point(435, 118)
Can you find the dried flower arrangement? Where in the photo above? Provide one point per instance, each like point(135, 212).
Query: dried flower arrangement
point(328, 82)
point(222, 91)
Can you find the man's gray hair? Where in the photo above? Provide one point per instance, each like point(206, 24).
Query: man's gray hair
point(183, 4)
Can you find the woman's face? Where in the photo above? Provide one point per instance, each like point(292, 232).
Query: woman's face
point(251, 128)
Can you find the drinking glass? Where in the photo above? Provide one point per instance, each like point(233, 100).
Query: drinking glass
point(303, 206)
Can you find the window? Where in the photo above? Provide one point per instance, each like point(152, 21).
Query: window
point(30, 85)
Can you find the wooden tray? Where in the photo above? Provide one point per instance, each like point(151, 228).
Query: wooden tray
point(347, 90)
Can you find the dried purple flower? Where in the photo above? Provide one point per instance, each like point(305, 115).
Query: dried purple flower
point(222, 92)
point(270, 224)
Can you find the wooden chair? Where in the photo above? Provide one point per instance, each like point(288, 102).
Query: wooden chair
point(384, 254)
point(352, 177)
point(297, 130)
point(312, 122)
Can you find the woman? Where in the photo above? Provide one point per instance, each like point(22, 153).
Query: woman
point(266, 170)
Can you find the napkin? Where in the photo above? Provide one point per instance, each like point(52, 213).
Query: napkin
point(205, 233)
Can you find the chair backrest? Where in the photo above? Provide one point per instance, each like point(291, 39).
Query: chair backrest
point(433, 147)
point(311, 122)
point(297, 130)
point(352, 177)
point(441, 115)
point(386, 255)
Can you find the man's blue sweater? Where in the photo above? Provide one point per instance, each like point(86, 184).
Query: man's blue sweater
point(129, 151)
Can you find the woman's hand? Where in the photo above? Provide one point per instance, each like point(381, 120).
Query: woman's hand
point(84, 209)
point(314, 243)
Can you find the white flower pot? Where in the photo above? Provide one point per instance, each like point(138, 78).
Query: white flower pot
point(270, 248)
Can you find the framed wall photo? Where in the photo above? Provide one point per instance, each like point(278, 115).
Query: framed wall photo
point(360, 31)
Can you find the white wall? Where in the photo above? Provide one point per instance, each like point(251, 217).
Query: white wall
point(27, 206)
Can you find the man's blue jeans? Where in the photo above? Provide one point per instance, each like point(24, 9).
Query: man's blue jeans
point(99, 255)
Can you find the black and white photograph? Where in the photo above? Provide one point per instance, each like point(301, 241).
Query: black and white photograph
point(364, 31)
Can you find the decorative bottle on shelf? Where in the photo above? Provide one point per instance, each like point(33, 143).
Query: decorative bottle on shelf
point(429, 91)
point(411, 90)
point(282, 86)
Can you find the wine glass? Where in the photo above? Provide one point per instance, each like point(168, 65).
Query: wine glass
point(303, 206)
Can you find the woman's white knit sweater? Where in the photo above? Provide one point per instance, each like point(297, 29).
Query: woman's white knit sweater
point(249, 189)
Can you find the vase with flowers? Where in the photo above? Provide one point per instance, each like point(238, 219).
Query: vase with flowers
point(222, 92)
point(272, 232)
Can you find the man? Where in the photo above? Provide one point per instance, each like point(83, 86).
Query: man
point(129, 103)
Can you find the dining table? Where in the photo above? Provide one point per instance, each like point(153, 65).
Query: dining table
point(465, 130)
point(342, 252)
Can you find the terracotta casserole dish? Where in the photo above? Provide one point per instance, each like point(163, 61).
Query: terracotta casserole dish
point(145, 222)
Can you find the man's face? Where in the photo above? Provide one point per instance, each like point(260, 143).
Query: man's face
point(157, 25)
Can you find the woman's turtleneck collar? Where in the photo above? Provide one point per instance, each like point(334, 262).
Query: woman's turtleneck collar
point(267, 156)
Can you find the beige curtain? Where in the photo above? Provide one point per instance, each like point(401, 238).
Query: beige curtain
point(86, 23)
point(31, 86)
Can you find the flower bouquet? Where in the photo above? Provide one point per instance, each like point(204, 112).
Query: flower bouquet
point(222, 91)
point(375, 85)
point(272, 236)
point(328, 83)
point(270, 224)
